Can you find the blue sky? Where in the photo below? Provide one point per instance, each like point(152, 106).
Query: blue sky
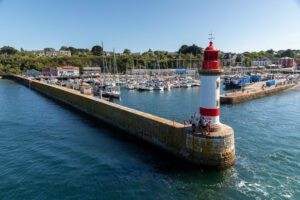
point(238, 25)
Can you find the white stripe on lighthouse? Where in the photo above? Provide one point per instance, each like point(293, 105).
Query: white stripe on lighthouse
point(210, 96)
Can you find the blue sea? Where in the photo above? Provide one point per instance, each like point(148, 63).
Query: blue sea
point(49, 151)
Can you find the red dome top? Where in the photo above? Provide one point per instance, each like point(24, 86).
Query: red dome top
point(211, 61)
point(211, 47)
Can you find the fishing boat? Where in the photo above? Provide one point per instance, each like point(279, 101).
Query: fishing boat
point(255, 78)
point(237, 82)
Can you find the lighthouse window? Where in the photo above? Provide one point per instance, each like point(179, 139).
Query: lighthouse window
point(217, 103)
point(217, 84)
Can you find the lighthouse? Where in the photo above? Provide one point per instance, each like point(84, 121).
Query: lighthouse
point(210, 85)
point(215, 148)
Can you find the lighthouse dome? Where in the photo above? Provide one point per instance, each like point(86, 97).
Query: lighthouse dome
point(211, 47)
point(210, 61)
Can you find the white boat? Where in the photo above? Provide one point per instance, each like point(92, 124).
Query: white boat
point(130, 87)
point(158, 87)
point(111, 92)
point(186, 85)
point(143, 87)
point(167, 86)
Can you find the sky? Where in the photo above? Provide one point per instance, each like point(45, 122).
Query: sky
point(238, 25)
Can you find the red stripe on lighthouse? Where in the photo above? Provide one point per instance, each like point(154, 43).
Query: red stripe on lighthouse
point(210, 112)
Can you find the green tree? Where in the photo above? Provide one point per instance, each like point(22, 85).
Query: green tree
point(49, 49)
point(270, 51)
point(64, 48)
point(248, 61)
point(238, 59)
point(97, 50)
point(7, 50)
point(127, 51)
point(193, 49)
point(288, 53)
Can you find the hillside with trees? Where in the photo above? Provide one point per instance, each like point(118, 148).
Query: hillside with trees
point(14, 61)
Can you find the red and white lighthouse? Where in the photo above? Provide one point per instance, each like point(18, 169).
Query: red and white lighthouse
point(210, 85)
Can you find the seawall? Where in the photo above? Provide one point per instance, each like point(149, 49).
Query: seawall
point(240, 97)
point(216, 150)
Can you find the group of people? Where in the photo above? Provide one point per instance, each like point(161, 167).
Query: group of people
point(200, 123)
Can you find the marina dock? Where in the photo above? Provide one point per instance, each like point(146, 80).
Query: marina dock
point(254, 92)
point(214, 150)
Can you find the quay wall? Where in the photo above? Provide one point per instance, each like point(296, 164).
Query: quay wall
point(234, 98)
point(217, 151)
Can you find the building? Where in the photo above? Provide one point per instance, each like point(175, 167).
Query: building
point(61, 71)
point(67, 71)
point(32, 73)
point(109, 53)
point(136, 53)
point(36, 52)
point(273, 66)
point(63, 53)
point(173, 53)
point(228, 59)
point(287, 62)
point(91, 71)
point(51, 53)
point(261, 61)
point(49, 71)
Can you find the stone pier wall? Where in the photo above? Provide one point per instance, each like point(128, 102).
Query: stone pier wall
point(234, 98)
point(216, 150)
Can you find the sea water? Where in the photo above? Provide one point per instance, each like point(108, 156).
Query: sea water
point(49, 151)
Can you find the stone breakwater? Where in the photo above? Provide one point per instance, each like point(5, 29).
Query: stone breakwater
point(216, 150)
point(240, 97)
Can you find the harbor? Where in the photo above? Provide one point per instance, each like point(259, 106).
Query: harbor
point(258, 90)
point(66, 147)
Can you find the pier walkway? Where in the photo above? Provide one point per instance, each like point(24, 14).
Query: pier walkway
point(255, 91)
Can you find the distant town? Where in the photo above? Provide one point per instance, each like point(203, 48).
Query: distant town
point(72, 61)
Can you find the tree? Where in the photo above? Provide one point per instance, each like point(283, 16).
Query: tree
point(270, 51)
point(97, 50)
point(288, 53)
point(194, 49)
point(49, 49)
point(64, 48)
point(7, 50)
point(127, 51)
point(248, 61)
point(238, 59)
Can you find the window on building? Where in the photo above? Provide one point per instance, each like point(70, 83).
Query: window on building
point(217, 84)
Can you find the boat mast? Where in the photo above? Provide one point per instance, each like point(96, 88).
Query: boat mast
point(103, 64)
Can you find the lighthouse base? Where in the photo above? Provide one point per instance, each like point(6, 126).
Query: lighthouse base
point(214, 149)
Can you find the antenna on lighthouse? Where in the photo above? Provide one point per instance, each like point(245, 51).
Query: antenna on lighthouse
point(211, 37)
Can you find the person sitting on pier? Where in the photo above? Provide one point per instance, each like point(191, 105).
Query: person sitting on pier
point(194, 124)
point(201, 121)
point(209, 125)
point(204, 126)
point(191, 120)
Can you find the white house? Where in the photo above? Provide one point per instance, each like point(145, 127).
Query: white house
point(261, 61)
